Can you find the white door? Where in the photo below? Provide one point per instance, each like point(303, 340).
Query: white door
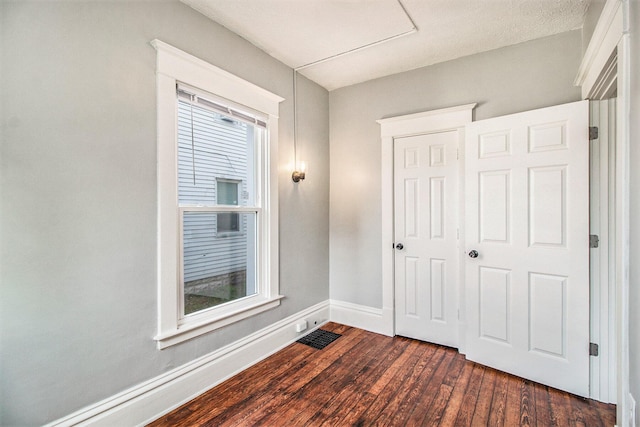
point(527, 242)
point(426, 264)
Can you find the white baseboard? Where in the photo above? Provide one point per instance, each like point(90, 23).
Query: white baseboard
point(378, 320)
point(150, 400)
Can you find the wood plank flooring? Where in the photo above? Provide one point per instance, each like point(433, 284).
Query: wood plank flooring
point(366, 379)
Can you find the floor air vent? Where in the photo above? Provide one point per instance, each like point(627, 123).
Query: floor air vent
point(319, 339)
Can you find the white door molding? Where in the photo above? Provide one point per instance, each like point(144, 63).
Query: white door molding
point(598, 56)
point(609, 51)
point(622, 173)
point(602, 260)
point(401, 126)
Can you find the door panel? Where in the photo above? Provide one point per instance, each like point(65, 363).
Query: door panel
point(527, 211)
point(494, 193)
point(495, 303)
point(425, 192)
point(548, 206)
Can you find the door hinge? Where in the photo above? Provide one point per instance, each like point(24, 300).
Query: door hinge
point(594, 240)
point(457, 154)
point(593, 133)
point(593, 349)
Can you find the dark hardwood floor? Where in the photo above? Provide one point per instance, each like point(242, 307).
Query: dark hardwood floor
point(365, 379)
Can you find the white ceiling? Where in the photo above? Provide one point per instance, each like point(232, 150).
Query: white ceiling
point(302, 32)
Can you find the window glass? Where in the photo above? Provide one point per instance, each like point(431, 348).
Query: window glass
point(227, 193)
point(214, 149)
point(216, 271)
point(228, 222)
point(215, 168)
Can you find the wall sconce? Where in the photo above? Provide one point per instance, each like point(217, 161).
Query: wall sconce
point(299, 175)
point(299, 171)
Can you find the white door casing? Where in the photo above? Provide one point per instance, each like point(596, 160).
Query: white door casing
point(611, 39)
point(527, 216)
point(602, 212)
point(426, 258)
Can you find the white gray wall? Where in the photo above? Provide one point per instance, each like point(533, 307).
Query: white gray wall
point(78, 197)
point(518, 78)
point(634, 255)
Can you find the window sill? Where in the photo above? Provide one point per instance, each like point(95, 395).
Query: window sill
point(198, 326)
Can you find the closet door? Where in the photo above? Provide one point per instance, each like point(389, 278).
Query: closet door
point(425, 227)
point(527, 243)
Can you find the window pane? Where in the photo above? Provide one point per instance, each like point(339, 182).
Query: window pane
point(216, 269)
point(227, 193)
point(228, 222)
point(212, 146)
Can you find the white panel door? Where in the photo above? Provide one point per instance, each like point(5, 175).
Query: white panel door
point(426, 265)
point(527, 242)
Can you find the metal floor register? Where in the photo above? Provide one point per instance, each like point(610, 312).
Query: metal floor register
point(319, 339)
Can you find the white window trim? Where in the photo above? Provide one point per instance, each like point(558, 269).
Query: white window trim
point(172, 66)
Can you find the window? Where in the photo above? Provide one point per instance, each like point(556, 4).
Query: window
point(217, 197)
point(217, 159)
point(227, 194)
point(228, 222)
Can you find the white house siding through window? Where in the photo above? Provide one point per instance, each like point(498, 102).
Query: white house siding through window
point(216, 164)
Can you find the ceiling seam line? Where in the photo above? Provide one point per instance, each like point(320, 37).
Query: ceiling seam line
point(413, 30)
point(406, 12)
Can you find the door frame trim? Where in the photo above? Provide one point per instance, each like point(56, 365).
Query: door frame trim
point(608, 48)
point(597, 57)
point(602, 223)
point(446, 119)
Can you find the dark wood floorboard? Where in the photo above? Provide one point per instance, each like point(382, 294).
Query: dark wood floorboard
point(366, 379)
